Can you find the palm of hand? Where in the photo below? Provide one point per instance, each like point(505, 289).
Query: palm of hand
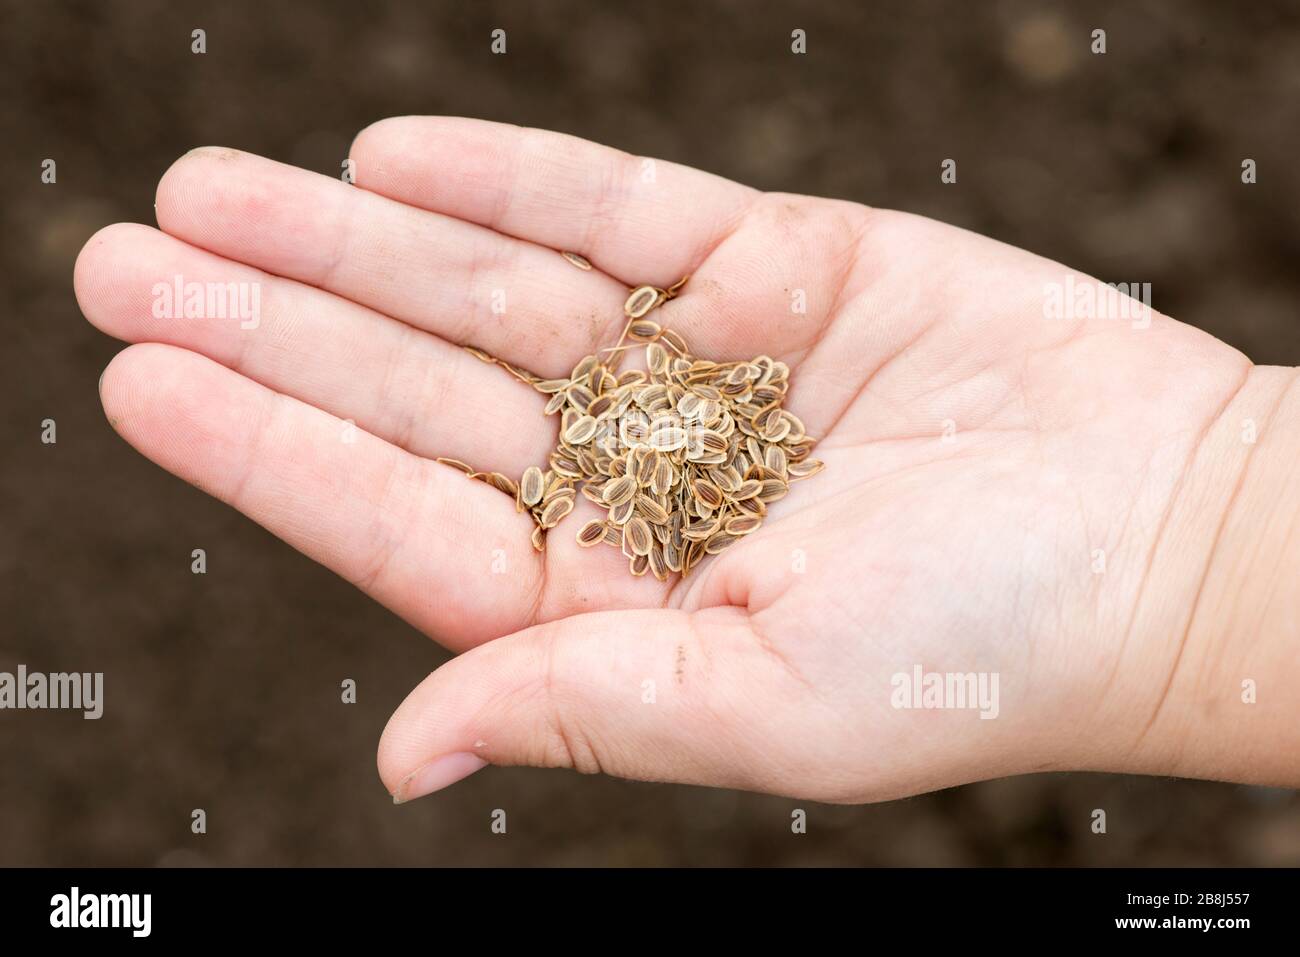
point(979, 456)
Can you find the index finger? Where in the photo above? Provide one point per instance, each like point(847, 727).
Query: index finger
point(640, 219)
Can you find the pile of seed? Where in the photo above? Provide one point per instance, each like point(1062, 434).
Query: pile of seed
point(683, 457)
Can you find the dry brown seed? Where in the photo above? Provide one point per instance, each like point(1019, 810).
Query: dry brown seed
point(502, 484)
point(519, 374)
point(551, 385)
point(674, 341)
point(644, 330)
point(727, 479)
point(742, 524)
point(593, 533)
point(579, 261)
point(797, 431)
point(619, 514)
point(585, 367)
point(531, 486)
point(774, 458)
point(663, 533)
point(601, 405)
point(773, 489)
point(799, 450)
point(778, 427)
point(707, 493)
point(658, 567)
point(582, 430)
point(666, 437)
point(620, 490)
point(641, 301)
point(555, 511)
point(664, 477)
point(752, 506)
point(580, 397)
point(805, 468)
point(633, 431)
point(568, 492)
point(456, 464)
point(586, 461)
point(739, 374)
point(672, 556)
point(701, 530)
point(691, 557)
point(613, 535)
point(747, 489)
point(566, 465)
point(539, 538)
point(712, 442)
point(656, 359)
point(719, 542)
point(646, 466)
point(652, 510)
point(638, 565)
point(637, 534)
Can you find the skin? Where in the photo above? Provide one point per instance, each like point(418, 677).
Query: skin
point(980, 458)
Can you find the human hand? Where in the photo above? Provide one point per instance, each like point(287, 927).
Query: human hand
point(979, 456)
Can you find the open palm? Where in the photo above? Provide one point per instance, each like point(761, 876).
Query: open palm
point(995, 486)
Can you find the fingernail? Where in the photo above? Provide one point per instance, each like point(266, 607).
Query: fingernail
point(437, 774)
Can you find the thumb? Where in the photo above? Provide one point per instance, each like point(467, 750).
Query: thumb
point(635, 694)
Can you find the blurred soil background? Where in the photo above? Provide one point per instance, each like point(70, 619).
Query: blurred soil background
point(223, 690)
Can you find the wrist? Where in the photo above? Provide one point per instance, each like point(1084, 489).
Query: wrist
point(1222, 659)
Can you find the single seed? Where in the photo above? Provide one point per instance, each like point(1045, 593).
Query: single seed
point(707, 493)
point(555, 511)
point(456, 464)
point(719, 542)
point(619, 490)
point(805, 468)
point(641, 301)
point(502, 484)
point(644, 330)
point(579, 261)
point(637, 533)
point(656, 359)
point(773, 489)
point(593, 533)
point(582, 429)
point(531, 486)
point(658, 567)
point(742, 524)
point(652, 510)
